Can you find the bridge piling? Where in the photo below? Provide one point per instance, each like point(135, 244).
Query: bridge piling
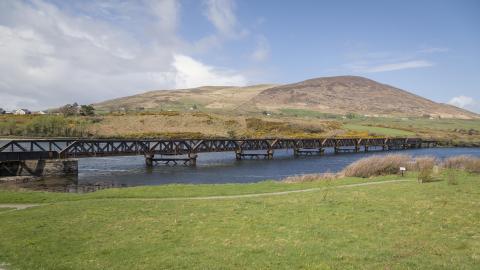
point(239, 155)
point(308, 151)
point(149, 160)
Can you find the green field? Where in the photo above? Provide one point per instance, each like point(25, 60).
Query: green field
point(333, 225)
point(378, 130)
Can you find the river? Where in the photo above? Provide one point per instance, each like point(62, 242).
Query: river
point(213, 168)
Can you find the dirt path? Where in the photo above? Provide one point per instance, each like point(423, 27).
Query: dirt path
point(222, 197)
point(19, 206)
point(15, 207)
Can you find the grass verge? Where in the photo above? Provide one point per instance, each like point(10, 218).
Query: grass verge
point(388, 226)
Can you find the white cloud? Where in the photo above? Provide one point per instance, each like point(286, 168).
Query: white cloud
point(465, 102)
point(399, 66)
point(369, 68)
point(221, 13)
point(434, 50)
point(50, 56)
point(192, 73)
point(262, 50)
point(461, 101)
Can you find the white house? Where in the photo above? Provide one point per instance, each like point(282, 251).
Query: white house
point(22, 111)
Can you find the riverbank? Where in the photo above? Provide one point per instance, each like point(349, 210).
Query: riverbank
point(387, 224)
point(206, 124)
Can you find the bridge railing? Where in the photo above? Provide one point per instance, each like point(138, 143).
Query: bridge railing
point(24, 149)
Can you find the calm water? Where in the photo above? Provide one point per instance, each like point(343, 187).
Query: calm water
point(99, 173)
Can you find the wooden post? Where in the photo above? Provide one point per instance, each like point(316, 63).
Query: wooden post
point(238, 154)
point(270, 154)
point(193, 159)
point(149, 159)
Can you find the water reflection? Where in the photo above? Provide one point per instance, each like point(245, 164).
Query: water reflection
point(101, 173)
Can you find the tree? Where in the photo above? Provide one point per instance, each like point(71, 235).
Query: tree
point(69, 110)
point(87, 110)
point(351, 115)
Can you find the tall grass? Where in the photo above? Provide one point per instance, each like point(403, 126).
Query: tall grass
point(428, 168)
point(44, 126)
point(463, 162)
point(377, 165)
point(424, 165)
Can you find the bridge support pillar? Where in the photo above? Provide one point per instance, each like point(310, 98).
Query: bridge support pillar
point(270, 154)
point(149, 160)
point(193, 159)
point(239, 155)
point(42, 167)
point(309, 151)
point(190, 160)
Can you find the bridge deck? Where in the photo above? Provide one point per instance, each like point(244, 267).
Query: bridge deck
point(53, 149)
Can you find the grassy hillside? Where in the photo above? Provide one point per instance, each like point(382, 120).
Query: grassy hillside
point(287, 123)
point(352, 94)
point(384, 225)
point(208, 98)
point(330, 95)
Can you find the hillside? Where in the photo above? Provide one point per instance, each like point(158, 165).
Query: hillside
point(335, 95)
point(340, 95)
point(204, 98)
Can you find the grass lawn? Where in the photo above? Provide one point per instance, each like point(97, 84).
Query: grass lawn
point(378, 130)
point(390, 225)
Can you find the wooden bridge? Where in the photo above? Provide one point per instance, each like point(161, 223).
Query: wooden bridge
point(18, 150)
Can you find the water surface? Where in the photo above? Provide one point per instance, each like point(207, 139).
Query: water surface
point(216, 168)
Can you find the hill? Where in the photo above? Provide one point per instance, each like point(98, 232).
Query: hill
point(334, 95)
point(214, 98)
point(344, 94)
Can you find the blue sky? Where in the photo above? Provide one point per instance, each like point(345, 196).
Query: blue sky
point(56, 52)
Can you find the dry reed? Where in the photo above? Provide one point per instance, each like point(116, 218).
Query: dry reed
point(377, 165)
point(463, 162)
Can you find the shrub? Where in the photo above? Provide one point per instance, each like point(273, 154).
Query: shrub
point(463, 162)
point(377, 165)
point(451, 177)
point(422, 162)
point(425, 174)
point(45, 126)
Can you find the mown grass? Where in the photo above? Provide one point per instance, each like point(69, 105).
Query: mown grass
point(387, 226)
point(170, 191)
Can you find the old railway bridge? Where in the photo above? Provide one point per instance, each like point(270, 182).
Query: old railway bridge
point(40, 156)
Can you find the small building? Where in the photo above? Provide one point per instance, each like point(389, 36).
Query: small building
point(21, 112)
point(40, 112)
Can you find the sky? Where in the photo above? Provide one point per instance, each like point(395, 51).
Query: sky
point(54, 52)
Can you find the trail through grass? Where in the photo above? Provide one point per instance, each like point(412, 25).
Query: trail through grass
point(394, 225)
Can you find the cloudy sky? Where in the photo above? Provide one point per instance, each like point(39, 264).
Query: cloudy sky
point(54, 52)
